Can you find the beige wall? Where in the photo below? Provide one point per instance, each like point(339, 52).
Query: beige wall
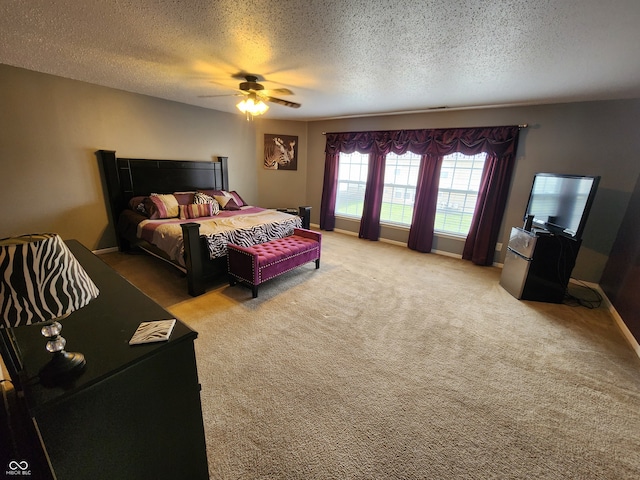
point(50, 128)
point(282, 188)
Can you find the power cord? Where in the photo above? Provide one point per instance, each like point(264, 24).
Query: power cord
point(574, 301)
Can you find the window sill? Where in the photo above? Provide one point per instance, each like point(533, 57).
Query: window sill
point(397, 226)
point(454, 236)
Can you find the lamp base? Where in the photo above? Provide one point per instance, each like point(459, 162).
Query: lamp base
point(63, 365)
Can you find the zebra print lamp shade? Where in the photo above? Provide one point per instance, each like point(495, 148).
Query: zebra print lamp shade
point(41, 281)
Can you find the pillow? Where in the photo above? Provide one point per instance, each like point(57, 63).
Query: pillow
point(166, 206)
point(223, 197)
point(238, 199)
point(184, 198)
point(232, 205)
point(137, 205)
point(196, 210)
point(223, 200)
point(200, 197)
point(211, 192)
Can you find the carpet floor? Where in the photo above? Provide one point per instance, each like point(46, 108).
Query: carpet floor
point(391, 364)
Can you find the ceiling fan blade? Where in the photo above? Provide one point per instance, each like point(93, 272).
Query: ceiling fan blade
point(216, 96)
point(280, 101)
point(278, 91)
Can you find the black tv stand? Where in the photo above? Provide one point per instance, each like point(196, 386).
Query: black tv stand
point(538, 265)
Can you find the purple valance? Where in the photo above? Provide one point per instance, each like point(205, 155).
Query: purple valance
point(470, 141)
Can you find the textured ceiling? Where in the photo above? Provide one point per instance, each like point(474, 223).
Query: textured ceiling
point(339, 57)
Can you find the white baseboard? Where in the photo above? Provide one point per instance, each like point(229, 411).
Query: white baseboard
point(447, 254)
point(399, 244)
point(618, 319)
point(346, 232)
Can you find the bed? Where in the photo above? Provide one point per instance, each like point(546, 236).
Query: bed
point(184, 213)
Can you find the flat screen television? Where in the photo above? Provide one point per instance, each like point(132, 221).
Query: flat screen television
point(561, 203)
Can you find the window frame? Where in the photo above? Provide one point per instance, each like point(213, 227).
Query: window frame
point(413, 166)
point(476, 176)
point(362, 184)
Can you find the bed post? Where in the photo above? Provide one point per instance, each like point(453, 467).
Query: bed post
point(224, 173)
point(108, 162)
point(305, 214)
point(193, 258)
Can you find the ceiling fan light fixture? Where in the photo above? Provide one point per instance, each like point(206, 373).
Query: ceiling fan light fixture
point(252, 106)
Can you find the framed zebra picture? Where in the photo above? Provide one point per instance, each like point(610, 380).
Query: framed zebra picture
point(280, 152)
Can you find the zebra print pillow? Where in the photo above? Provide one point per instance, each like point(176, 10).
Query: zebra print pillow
point(203, 198)
point(200, 197)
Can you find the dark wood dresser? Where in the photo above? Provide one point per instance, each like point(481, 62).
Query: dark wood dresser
point(135, 412)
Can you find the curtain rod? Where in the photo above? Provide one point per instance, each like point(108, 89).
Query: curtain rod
point(522, 125)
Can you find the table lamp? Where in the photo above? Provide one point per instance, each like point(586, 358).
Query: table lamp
point(41, 281)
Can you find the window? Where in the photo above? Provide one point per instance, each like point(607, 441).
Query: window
point(352, 180)
point(458, 192)
point(400, 181)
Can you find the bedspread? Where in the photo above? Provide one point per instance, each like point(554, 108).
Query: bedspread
point(245, 227)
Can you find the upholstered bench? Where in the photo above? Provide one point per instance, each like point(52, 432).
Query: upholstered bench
point(264, 261)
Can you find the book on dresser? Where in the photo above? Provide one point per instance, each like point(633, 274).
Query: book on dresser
point(153, 331)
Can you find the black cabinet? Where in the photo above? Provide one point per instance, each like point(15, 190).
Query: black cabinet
point(538, 265)
point(303, 212)
point(135, 411)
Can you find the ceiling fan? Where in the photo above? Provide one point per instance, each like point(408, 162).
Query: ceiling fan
point(256, 95)
point(251, 85)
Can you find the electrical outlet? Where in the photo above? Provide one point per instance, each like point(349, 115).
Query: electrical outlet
point(498, 247)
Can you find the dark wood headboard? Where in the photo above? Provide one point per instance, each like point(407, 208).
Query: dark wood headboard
point(126, 178)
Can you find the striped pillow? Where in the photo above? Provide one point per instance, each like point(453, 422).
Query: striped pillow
point(196, 210)
point(166, 206)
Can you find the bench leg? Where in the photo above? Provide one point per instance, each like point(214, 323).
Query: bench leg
point(317, 263)
point(254, 291)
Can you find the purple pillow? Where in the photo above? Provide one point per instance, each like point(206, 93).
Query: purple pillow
point(232, 205)
point(238, 199)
